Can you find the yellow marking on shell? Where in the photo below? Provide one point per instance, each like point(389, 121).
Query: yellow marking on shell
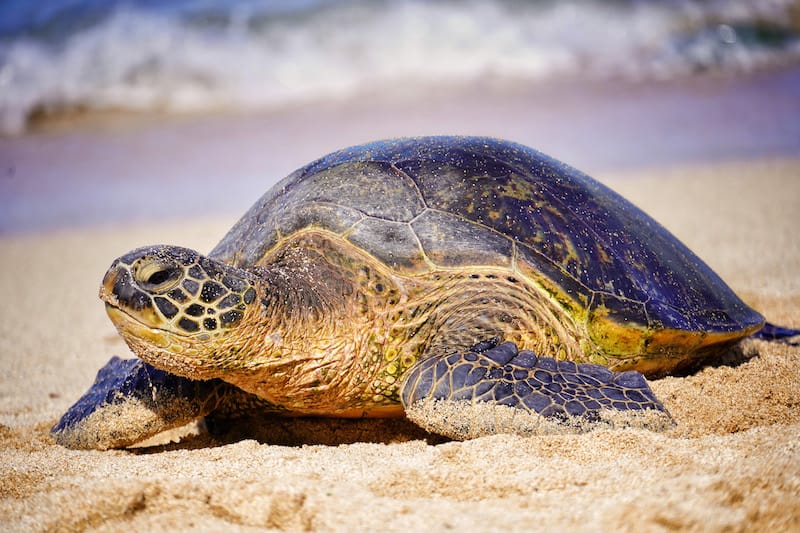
point(614, 338)
point(652, 352)
point(602, 254)
point(518, 188)
point(553, 210)
point(572, 253)
point(574, 304)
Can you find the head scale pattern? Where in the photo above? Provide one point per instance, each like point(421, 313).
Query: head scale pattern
point(176, 288)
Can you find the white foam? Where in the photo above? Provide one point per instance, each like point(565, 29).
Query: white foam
point(165, 61)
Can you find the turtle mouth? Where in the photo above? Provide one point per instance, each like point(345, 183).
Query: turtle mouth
point(130, 325)
point(163, 349)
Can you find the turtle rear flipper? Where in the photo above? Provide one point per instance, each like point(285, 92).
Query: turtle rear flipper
point(772, 332)
point(504, 390)
point(130, 401)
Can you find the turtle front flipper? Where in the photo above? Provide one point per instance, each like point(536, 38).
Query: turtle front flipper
point(499, 389)
point(130, 401)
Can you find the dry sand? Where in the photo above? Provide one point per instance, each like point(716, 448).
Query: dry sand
point(731, 464)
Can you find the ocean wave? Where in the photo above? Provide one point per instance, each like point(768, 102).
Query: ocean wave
point(204, 54)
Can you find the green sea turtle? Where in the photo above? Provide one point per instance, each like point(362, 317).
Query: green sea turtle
point(475, 285)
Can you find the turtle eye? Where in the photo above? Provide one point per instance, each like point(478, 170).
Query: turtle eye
point(158, 276)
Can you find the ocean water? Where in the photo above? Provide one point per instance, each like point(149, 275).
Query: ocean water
point(61, 56)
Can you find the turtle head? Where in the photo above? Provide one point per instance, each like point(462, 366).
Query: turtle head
point(175, 307)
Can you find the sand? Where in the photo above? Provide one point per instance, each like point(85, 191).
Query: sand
point(732, 463)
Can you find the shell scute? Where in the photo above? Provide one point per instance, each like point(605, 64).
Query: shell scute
point(374, 188)
point(449, 240)
point(394, 243)
point(333, 217)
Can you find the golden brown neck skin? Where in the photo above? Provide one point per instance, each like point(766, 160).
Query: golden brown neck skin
point(339, 330)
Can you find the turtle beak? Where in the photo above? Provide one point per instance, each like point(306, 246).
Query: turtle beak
point(107, 287)
point(120, 290)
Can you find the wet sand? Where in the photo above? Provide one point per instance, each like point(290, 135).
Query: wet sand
point(732, 462)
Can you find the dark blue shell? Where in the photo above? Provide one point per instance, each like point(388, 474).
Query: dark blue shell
point(478, 201)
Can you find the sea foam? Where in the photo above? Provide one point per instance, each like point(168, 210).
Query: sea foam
point(87, 55)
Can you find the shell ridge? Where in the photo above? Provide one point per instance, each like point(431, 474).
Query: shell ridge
point(403, 175)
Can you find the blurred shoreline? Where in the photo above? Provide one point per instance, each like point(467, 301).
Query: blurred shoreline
point(94, 168)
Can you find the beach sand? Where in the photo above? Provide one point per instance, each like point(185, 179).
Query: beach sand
point(732, 462)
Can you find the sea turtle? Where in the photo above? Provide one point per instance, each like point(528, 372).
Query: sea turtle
point(475, 285)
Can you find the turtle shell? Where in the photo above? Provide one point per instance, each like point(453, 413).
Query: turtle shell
point(465, 201)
